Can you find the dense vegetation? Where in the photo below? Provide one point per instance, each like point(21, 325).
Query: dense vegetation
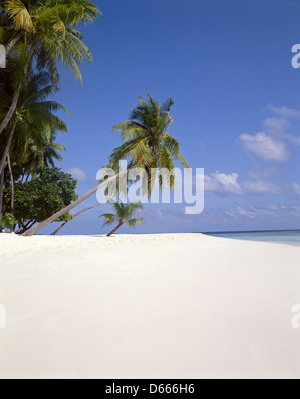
point(38, 35)
point(35, 200)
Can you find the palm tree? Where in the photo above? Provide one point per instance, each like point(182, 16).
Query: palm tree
point(123, 215)
point(35, 124)
point(74, 216)
point(43, 151)
point(47, 32)
point(42, 19)
point(29, 140)
point(147, 144)
point(111, 194)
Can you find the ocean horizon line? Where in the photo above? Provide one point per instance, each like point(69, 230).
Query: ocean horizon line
point(252, 231)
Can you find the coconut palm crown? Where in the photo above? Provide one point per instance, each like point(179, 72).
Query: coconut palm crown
point(123, 215)
point(147, 143)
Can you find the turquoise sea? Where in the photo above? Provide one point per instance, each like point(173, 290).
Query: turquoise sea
point(291, 237)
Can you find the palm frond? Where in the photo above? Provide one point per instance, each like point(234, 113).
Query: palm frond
point(109, 219)
point(19, 14)
point(135, 222)
point(146, 141)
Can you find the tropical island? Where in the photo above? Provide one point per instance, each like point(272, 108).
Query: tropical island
point(103, 305)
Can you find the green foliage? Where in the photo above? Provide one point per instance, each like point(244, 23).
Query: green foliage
point(39, 36)
point(123, 215)
point(50, 191)
point(7, 222)
point(33, 143)
point(147, 143)
point(50, 27)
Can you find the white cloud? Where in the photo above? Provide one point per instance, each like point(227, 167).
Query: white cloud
point(284, 111)
point(272, 144)
point(78, 174)
point(228, 184)
point(296, 188)
point(223, 183)
point(261, 187)
point(269, 211)
point(279, 125)
point(265, 147)
point(243, 212)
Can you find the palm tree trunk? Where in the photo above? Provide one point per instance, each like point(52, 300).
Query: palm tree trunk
point(115, 229)
point(77, 214)
point(30, 59)
point(14, 103)
point(50, 220)
point(6, 151)
point(11, 111)
point(13, 42)
point(1, 193)
point(26, 227)
point(12, 186)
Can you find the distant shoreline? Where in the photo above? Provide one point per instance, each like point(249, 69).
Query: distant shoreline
point(252, 231)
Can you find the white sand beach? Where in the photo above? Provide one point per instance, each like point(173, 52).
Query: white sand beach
point(155, 306)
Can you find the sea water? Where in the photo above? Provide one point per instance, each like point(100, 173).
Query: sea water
point(291, 237)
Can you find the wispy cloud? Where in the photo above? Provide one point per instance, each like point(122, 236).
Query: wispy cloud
point(265, 147)
point(261, 187)
point(269, 211)
point(78, 174)
point(284, 112)
point(296, 188)
point(257, 172)
point(228, 184)
point(280, 124)
point(223, 183)
point(243, 212)
point(272, 144)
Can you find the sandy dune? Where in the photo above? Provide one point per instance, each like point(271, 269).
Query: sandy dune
point(166, 306)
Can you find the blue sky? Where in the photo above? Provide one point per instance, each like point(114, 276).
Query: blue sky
point(227, 64)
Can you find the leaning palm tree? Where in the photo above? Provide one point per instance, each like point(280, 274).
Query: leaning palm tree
point(74, 216)
point(109, 194)
point(123, 215)
point(146, 144)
